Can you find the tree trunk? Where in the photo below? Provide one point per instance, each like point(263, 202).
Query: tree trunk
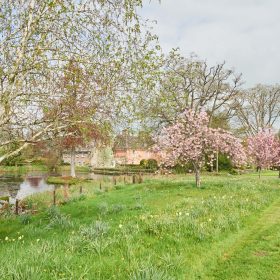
point(217, 162)
point(260, 172)
point(73, 156)
point(279, 173)
point(197, 176)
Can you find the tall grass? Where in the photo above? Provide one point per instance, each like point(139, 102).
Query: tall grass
point(161, 229)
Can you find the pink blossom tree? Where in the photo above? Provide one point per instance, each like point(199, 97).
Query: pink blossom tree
point(264, 150)
point(277, 159)
point(190, 140)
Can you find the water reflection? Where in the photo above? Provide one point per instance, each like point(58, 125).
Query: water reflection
point(18, 187)
point(32, 185)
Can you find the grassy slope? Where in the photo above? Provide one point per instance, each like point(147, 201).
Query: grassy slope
point(162, 229)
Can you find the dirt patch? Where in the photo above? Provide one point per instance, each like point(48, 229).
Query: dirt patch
point(260, 253)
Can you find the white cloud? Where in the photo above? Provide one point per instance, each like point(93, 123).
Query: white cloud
point(244, 33)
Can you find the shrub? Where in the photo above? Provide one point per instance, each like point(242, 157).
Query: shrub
point(38, 161)
point(13, 161)
point(233, 172)
point(149, 164)
point(224, 163)
point(182, 169)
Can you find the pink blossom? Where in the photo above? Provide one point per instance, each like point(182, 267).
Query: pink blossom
point(263, 149)
point(190, 140)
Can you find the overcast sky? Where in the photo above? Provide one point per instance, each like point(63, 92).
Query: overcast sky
point(244, 33)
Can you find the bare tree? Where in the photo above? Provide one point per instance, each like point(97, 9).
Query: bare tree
point(192, 83)
point(257, 108)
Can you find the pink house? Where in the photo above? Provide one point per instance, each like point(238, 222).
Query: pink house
point(133, 156)
point(130, 149)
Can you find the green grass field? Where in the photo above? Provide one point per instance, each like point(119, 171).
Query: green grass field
point(164, 228)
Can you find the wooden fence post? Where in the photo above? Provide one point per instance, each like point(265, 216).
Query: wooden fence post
point(81, 189)
point(133, 179)
point(115, 181)
point(100, 186)
point(16, 210)
point(140, 178)
point(66, 191)
point(54, 197)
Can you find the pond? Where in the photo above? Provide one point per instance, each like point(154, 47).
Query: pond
point(18, 186)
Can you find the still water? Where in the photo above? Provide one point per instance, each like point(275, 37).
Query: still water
point(20, 186)
point(16, 186)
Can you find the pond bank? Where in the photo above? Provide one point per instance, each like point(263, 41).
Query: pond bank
point(29, 168)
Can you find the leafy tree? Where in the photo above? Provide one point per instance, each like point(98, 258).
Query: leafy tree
point(107, 39)
point(80, 109)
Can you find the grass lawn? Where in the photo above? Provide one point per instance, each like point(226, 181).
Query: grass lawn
point(164, 228)
point(22, 169)
point(65, 180)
